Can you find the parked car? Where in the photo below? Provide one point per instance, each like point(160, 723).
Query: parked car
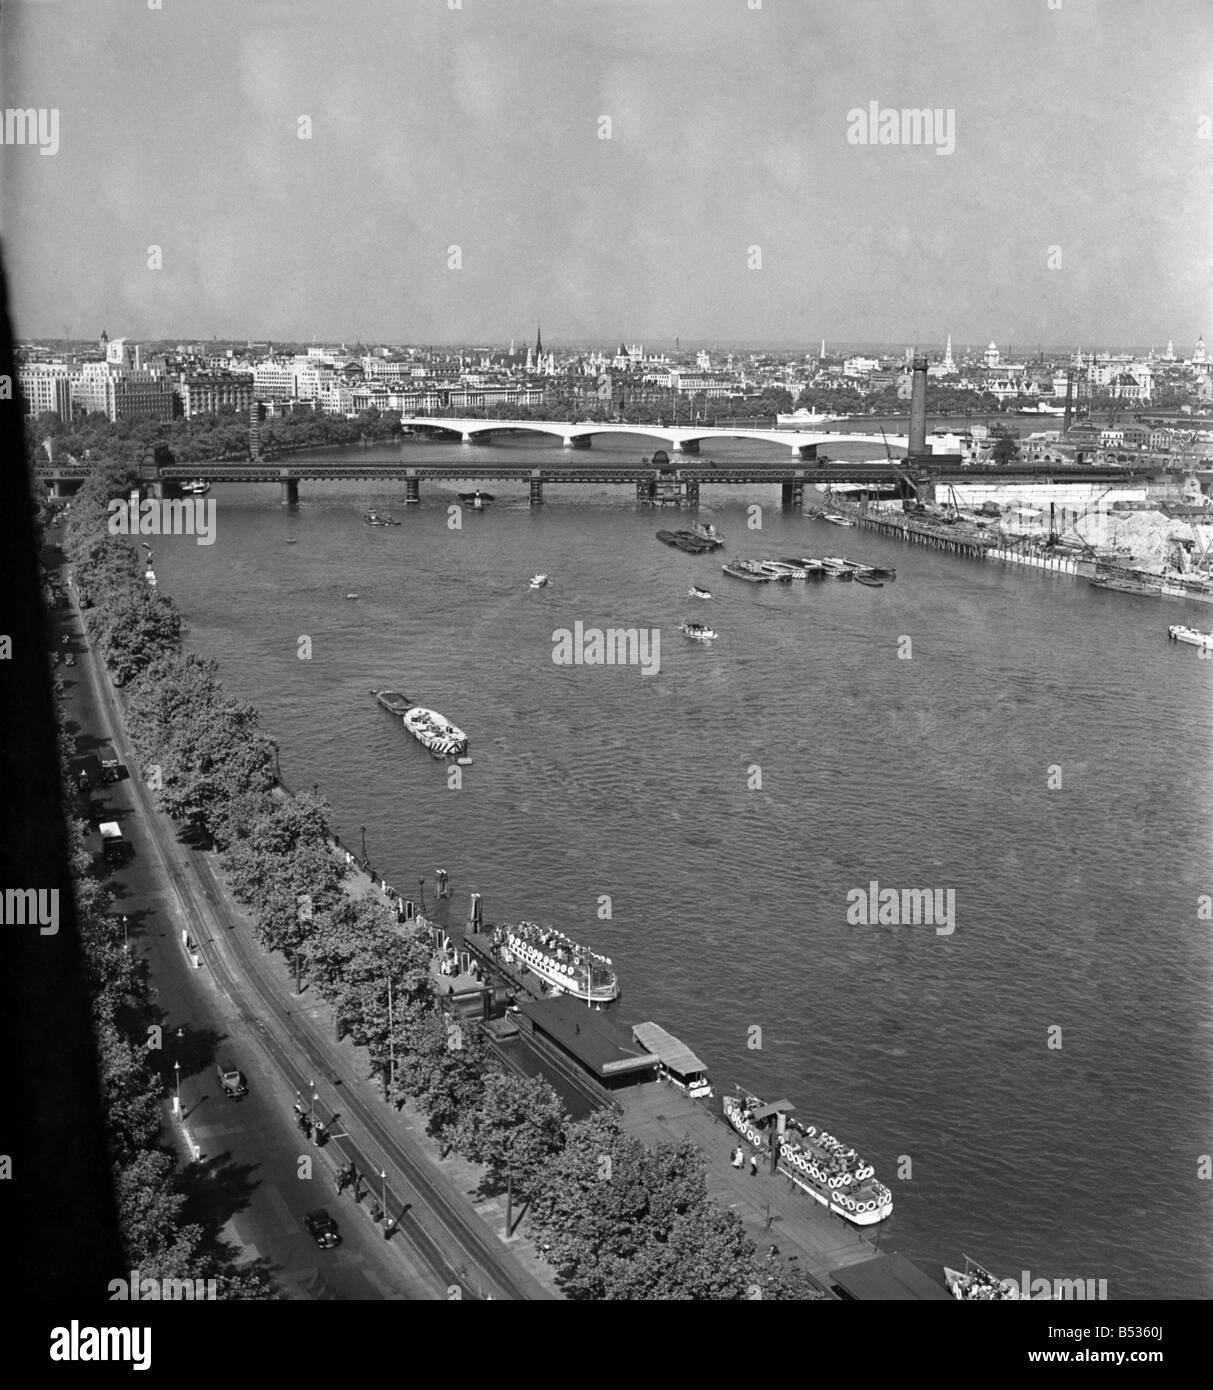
point(232, 1080)
point(323, 1228)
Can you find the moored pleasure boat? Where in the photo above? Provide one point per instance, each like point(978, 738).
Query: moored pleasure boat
point(979, 1285)
point(563, 965)
point(815, 1161)
point(539, 581)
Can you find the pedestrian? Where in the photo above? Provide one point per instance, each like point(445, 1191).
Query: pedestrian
point(753, 1164)
point(738, 1156)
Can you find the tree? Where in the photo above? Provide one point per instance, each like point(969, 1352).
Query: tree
point(514, 1131)
point(1006, 448)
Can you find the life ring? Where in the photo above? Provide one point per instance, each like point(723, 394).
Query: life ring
point(785, 1150)
point(811, 1131)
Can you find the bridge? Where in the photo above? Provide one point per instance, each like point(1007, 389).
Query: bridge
point(682, 439)
point(654, 482)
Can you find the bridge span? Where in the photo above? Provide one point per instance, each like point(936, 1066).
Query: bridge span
point(682, 439)
point(669, 483)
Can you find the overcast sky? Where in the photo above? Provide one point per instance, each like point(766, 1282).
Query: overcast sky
point(1075, 128)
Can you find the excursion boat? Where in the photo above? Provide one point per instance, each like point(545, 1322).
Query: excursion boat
point(435, 732)
point(1179, 633)
point(539, 581)
point(563, 965)
point(706, 531)
point(815, 1161)
point(696, 592)
point(699, 632)
point(979, 1285)
point(374, 518)
point(739, 569)
point(198, 487)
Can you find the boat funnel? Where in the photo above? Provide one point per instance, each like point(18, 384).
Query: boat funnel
point(475, 915)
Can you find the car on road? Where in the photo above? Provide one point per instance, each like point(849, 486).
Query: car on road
point(323, 1228)
point(232, 1080)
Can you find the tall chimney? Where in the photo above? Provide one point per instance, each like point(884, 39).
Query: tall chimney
point(918, 408)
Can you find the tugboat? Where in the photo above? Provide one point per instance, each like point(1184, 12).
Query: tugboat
point(698, 632)
point(539, 581)
point(978, 1284)
point(815, 1161)
point(563, 965)
point(374, 518)
point(696, 592)
point(705, 531)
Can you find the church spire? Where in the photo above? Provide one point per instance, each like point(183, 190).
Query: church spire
point(538, 341)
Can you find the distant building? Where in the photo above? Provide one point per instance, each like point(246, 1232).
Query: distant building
point(46, 386)
point(209, 393)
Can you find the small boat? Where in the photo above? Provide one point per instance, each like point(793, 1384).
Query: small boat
point(698, 632)
point(477, 499)
point(667, 537)
point(867, 580)
point(197, 487)
point(290, 540)
point(836, 519)
point(705, 531)
point(351, 595)
point(876, 571)
point(696, 592)
point(979, 1285)
point(692, 544)
point(1179, 633)
point(393, 701)
point(539, 581)
point(738, 570)
point(374, 518)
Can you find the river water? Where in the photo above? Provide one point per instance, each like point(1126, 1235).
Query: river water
point(1042, 752)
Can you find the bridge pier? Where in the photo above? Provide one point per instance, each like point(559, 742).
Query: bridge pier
point(577, 441)
point(536, 488)
point(412, 488)
point(686, 446)
point(805, 451)
point(289, 488)
point(692, 494)
point(479, 437)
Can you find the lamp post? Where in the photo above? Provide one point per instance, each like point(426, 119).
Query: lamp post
point(177, 1097)
point(383, 1196)
point(364, 858)
point(126, 944)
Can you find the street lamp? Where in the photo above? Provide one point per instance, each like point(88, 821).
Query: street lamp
point(126, 944)
point(177, 1098)
point(364, 858)
point(383, 1203)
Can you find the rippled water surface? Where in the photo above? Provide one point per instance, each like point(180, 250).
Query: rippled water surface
point(1075, 905)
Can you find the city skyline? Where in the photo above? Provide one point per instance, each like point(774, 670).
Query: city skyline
point(611, 163)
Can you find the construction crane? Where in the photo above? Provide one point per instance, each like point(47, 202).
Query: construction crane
point(903, 476)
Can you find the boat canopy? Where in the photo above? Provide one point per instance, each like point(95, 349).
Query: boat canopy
point(772, 1108)
point(673, 1054)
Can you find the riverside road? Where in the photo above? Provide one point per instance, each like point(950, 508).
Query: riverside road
point(238, 1006)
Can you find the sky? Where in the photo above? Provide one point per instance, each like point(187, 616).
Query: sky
point(1066, 197)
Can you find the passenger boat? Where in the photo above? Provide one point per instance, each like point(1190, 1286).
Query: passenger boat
point(699, 632)
point(979, 1285)
point(198, 487)
point(1179, 633)
point(739, 569)
point(563, 965)
point(815, 1161)
point(435, 732)
point(696, 592)
point(539, 581)
point(374, 518)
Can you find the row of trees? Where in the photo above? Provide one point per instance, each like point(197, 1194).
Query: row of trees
point(617, 1220)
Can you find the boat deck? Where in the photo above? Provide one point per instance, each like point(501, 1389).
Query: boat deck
point(772, 1209)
